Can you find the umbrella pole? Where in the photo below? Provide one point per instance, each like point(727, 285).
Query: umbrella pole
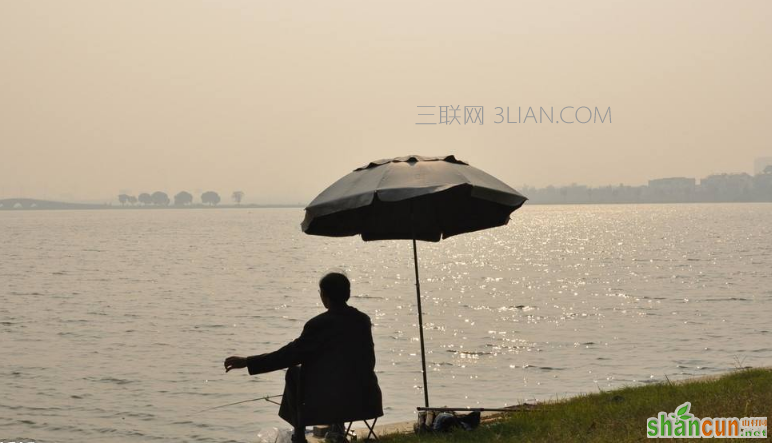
point(420, 322)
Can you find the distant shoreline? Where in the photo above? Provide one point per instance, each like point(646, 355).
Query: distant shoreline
point(43, 205)
point(27, 204)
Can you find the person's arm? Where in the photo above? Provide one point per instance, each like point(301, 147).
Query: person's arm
point(294, 353)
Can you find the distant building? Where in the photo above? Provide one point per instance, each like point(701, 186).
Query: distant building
point(760, 164)
point(672, 189)
point(741, 187)
point(728, 187)
point(762, 185)
point(673, 184)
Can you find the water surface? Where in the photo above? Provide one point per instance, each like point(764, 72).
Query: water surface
point(115, 323)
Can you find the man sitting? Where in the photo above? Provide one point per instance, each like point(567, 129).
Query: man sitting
point(336, 355)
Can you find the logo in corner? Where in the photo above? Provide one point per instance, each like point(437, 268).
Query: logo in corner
point(683, 424)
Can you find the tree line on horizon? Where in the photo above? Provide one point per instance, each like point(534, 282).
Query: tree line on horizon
point(182, 198)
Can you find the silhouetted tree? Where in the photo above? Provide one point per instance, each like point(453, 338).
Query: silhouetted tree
point(132, 200)
point(210, 198)
point(237, 196)
point(183, 198)
point(123, 198)
point(145, 199)
point(160, 198)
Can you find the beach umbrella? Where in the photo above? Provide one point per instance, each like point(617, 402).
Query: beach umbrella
point(412, 198)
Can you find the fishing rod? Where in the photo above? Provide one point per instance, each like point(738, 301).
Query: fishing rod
point(267, 398)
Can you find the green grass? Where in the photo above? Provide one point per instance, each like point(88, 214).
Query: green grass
point(620, 415)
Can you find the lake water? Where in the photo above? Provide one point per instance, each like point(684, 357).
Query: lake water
point(115, 323)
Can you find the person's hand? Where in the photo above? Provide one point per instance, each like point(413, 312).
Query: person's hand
point(235, 362)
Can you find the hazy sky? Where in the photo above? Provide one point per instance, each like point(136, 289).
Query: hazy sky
point(279, 99)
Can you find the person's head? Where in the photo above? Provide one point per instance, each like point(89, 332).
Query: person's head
point(334, 289)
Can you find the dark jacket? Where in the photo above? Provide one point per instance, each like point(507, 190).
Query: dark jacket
point(337, 359)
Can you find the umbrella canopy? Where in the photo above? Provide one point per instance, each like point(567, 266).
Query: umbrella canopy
point(426, 198)
point(413, 197)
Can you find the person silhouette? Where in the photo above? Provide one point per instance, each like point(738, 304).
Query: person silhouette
point(331, 366)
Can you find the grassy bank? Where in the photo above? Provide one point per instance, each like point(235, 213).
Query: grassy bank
point(620, 415)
